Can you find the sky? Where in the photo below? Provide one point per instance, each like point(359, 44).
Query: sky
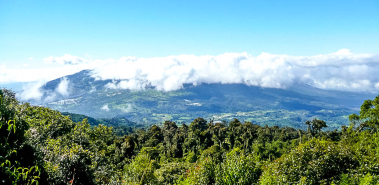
point(35, 34)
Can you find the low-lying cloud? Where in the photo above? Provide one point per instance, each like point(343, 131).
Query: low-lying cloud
point(105, 108)
point(34, 91)
point(342, 70)
point(31, 91)
point(126, 109)
point(63, 88)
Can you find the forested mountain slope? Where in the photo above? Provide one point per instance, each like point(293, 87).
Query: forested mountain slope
point(284, 107)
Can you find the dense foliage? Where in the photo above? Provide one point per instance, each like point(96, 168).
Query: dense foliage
point(17, 167)
point(40, 145)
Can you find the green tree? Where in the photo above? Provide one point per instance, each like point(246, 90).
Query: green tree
point(140, 171)
point(15, 166)
point(315, 126)
point(368, 115)
point(315, 162)
point(234, 128)
point(238, 168)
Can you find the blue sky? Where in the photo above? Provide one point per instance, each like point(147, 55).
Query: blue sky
point(112, 29)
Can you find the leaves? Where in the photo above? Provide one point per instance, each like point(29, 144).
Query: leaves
point(40, 145)
point(13, 169)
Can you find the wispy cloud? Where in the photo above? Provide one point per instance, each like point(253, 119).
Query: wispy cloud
point(105, 108)
point(34, 91)
point(63, 88)
point(31, 91)
point(65, 59)
point(126, 109)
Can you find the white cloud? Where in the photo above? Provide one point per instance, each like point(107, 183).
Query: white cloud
point(127, 108)
point(65, 59)
point(63, 88)
point(31, 91)
point(31, 74)
point(342, 70)
point(105, 108)
point(131, 84)
point(51, 96)
point(93, 89)
point(170, 73)
point(31, 58)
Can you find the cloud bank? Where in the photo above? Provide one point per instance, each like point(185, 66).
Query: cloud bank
point(342, 70)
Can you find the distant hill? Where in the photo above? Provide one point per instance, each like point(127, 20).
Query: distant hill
point(79, 117)
point(271, 106)
point(121, 126)
point(114, 122)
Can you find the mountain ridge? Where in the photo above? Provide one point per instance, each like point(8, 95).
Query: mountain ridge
point(298, 103)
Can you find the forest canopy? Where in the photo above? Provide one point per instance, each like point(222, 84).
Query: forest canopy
point(42, 146)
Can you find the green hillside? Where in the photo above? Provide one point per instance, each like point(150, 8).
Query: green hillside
point(282, 107)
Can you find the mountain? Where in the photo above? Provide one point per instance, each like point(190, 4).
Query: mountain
point(284, 107)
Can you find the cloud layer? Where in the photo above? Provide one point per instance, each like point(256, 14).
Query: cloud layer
point(342, 70)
